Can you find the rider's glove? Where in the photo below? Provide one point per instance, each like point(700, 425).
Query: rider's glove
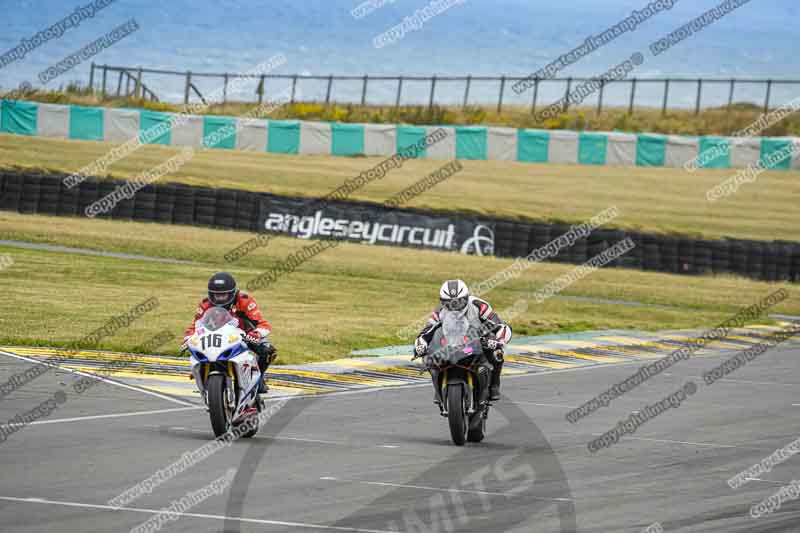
point(271, 352)
point(185, 344)
point(492, 343)
point(254, 337)
point(420, 346)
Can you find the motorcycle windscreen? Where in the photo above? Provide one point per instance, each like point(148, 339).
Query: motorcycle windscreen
point(215, 318)
point(455, 326)
point(458, 337)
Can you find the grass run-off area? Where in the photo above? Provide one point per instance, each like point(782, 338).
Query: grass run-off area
point(660, 200)
point(350, 297)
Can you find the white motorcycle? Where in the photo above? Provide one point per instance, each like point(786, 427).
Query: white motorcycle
point(226, 371)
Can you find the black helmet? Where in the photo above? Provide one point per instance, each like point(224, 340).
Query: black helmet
point(222, 289)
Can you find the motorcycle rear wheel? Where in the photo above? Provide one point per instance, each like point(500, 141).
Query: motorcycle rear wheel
point(478, 432)
point(252, 432)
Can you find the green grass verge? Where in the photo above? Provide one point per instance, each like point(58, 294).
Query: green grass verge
point(656, 200)
point(350, 297)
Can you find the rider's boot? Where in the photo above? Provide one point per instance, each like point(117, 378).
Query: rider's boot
point(484, 378)
point(435, 380)
point(494, 388)
point(263, 364)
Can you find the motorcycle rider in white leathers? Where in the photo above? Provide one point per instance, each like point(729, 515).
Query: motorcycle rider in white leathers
point(454, 295)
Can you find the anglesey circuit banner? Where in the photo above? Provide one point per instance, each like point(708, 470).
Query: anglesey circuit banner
point(375, 224)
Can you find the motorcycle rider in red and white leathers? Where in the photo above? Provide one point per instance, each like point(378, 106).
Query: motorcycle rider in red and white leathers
point(454, 295)
point(223, 292)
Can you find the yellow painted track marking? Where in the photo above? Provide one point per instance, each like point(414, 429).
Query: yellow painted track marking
point(174, 391)
point(589, 357)
point(100, 356)
point(283, 379)
point(624, 341)
point(102, 372)
point(575, 344)
point(512, 371)
point(748, 340)
point(343, 378)
point(720, 343)
point(370, 366)
point(533, 350)
point(532, 360)
point(632, 351)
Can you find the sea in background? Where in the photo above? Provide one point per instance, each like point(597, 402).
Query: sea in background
point(478, 37)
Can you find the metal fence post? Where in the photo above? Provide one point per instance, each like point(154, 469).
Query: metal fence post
point(399, 90)
point(433, 89)
point(328, 90)
point(294, 85)
point(260, 89)
point(500, 96)
point(186, 89)
point(600, 96)
point(769, 93)
point(633, 96)
point(666, 97)
point(91, 77)
point(105, 72)
point(535, 94)
point(566, 94)
point(138, 90)
point(364, 90)
point(225, 90)
point(730, 95)
point(466, 90)
point(119, 83)
point(699, 96)
point(730, 103)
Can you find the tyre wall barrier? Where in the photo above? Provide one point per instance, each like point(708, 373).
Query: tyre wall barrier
point(172, 203)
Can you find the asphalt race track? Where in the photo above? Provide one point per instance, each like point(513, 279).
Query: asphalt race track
point(382, 460)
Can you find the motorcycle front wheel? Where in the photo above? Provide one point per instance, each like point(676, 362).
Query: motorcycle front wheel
point(218, 406)
point(456, 414)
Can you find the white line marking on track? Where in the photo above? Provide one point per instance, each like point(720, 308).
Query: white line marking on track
point(709, 444)
point(544, 404)
point(283, 437)
point(767, 481)
point(320, 441)
point(271, 437)
point(436, 489)
point(94, 376)
point(193, 515)
point(770, 383)
point(114, 415)
point(303, 439)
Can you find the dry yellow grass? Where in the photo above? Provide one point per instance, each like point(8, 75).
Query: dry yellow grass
point(651, 199)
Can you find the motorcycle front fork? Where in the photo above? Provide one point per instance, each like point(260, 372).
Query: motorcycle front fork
point(484, 376)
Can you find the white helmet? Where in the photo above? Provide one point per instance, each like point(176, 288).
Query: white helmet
point(454, 295)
